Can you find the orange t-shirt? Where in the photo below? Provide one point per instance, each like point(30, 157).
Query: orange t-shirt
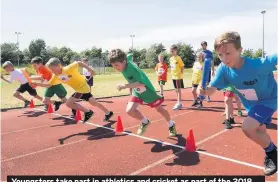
point(162, 69)
point(45, 73)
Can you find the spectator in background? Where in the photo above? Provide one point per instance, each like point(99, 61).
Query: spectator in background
point(208, 56)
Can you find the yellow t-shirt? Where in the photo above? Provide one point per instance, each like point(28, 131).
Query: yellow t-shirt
point(197, 72)
point(71, 76)
point(176, 65)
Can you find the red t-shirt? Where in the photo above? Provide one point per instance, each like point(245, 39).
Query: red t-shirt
point(162, 69)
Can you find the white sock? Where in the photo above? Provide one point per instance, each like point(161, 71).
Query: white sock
point(171, 123)
point(107, 113)
point(145, 120)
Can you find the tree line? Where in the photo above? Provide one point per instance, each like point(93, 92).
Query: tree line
point(144, 58)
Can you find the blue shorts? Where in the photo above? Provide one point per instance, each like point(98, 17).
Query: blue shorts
point(262, 114)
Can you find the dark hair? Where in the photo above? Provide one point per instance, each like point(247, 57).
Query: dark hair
point(37, 60)
point(204, 42)
point(174, 47)
point(116, 55)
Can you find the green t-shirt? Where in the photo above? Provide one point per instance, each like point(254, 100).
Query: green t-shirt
point(132, 74)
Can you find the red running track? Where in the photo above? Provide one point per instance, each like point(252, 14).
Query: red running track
point(30, 143)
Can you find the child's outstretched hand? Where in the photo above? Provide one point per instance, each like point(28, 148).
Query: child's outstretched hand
point(201, 91)
point(121, 87)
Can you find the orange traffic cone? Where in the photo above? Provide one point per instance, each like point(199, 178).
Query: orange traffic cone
point(119, 126)
point(190, 142)
point(32, 105)
point(78, 116)
point(50, 108)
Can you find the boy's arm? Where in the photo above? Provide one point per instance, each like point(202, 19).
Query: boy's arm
point(209, 91)
point(212, 67)
point(47, 85)
point(87, 67)
point(181, 65)
point(269, 63)
point(40, 78)
point(8, 81)
point(130, 85)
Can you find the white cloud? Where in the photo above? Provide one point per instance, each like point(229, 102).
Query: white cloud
point(248, 24)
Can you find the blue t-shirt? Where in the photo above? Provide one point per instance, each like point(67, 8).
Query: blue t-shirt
point(254, 81)
point(208, 57)
point(208, 54)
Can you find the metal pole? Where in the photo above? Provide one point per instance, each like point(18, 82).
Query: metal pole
point(17, 45)
point(132, 41)
point(263, 12)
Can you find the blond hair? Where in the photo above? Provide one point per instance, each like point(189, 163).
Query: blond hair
point(228, 37)
point(7, 63)
point(53, 62)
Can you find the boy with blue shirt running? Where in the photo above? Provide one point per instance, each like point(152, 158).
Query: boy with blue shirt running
point(256, 86)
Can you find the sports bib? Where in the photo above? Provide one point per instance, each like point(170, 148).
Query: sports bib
point(64, 77)
point(140, 90)
point(160, 70)
point(173, 66)
point(249, 94)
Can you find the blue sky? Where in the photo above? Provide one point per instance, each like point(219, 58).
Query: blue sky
point(81, 24)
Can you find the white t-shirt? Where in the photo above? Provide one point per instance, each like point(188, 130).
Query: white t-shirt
point(86, 72)
point(18, 76)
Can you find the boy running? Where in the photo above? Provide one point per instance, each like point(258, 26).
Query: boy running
point(177, 67)
point(197, 74)
point(161, 70)
point(142, 91)
point(17, 74)
point(256, 86)
point(57, 88)
point(229, 94)
point(70, 75)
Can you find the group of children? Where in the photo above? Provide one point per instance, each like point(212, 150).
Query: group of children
point(176, 71)
point(251, 79)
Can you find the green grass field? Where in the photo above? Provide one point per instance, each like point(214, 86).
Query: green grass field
point(104, 86)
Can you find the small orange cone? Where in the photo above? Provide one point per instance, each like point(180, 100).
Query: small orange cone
point(190, 142)
point(50, 108)
point(119, 126)
point(78, 116)
point(32, 105)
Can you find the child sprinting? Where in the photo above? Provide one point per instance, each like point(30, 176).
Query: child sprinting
point(87, 74)
point(229, 94)
point(44, 74)
point(161, 71)
point(177, 67)
point(70, 75)
point(197, 74)
point(18, 75)
point(256, 87)
point(142, 91)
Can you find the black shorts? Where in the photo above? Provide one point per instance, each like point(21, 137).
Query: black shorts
point(178, 83)
point(195, 85)
point(90, 81)
point(82, 96)
point(27, 87)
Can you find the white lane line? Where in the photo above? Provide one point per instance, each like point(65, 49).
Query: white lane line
point(51, 148)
